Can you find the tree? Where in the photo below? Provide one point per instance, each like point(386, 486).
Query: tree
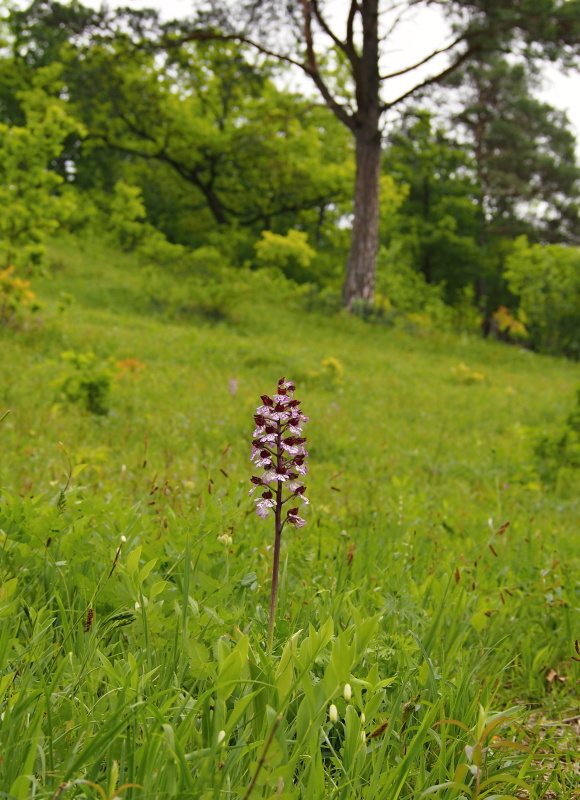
point(546, 279)
point(253, 157)
point(30, 206)
point(438, 221)
point(542, 28)
point(348, 69)
point(202, 129)
point(524, 153)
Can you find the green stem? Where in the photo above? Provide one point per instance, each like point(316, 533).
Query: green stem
point(277, 542)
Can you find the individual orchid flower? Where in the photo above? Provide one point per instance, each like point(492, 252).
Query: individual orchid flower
point(278, 449)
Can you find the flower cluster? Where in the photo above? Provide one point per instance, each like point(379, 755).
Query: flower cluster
point(278, 448)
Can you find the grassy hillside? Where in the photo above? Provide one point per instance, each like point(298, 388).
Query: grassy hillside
point(405, 583)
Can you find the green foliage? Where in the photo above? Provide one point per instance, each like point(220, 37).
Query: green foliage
point(546, 280)
point(30, 207)
point(438, 222)
point(123, 214)
point(16, 297)
point(509, 326)
point(403, 293)
point(558, 451)
point(197, 138)
point(209, 288)
point(85, 381)
point(523, 150)
point(126, 215)
point(291, 254)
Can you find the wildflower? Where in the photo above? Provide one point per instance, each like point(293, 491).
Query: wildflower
point(294, 519)
point(333, 713)
point(278, 447)
point(347, 693)
point(221, 736)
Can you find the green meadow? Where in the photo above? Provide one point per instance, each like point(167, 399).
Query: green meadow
point(437, 578)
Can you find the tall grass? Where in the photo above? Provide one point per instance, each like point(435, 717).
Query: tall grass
point(132, 636)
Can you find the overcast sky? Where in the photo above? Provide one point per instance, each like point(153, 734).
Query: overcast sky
point(417, 37)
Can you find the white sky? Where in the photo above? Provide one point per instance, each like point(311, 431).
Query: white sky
point(414, 39)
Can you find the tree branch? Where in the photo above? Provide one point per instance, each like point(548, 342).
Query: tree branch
point(347, 46)
point(354, 7)
point(215, 205)
point(324, 25)
point(434, 78)
point(202, 36)
point(311, 68)
point(404, 71)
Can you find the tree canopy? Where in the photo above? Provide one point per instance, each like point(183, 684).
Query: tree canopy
point(186, 134)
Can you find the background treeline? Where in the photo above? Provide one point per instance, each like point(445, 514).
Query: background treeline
point(197, 157)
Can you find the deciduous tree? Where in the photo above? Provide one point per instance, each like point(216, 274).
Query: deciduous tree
point(304, 33)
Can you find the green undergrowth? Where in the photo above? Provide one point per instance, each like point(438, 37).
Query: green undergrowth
point(132, 637)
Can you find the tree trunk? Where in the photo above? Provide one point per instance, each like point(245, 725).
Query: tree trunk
point(361, 268)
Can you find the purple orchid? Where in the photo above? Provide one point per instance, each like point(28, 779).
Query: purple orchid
point(278, 449)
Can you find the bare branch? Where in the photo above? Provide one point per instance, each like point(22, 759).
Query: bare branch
point(311, 68)
point(203, 36)
point(434, 78)
point(354, 7)
point(347, 46)
point(404, 71)
point(395, 23)
point(324, 25)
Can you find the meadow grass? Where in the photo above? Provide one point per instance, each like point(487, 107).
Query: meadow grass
point(132, 639)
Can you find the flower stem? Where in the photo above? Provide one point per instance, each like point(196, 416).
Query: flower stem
point(277, 542)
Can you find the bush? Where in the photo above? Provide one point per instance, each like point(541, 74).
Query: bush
point(31, 206)
point(559, 452)
point(15, 296)
point(216, 293)
point(403, 297)
point(85, 381)
point(291, 254)
point(546, 279)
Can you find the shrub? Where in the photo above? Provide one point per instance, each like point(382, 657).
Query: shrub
point(509, 327)
point(404, 297)
point(85, 381)
point(559, 452)
point(15, 296)
point(546, 279)
point(31, 206)
point(291, 254)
